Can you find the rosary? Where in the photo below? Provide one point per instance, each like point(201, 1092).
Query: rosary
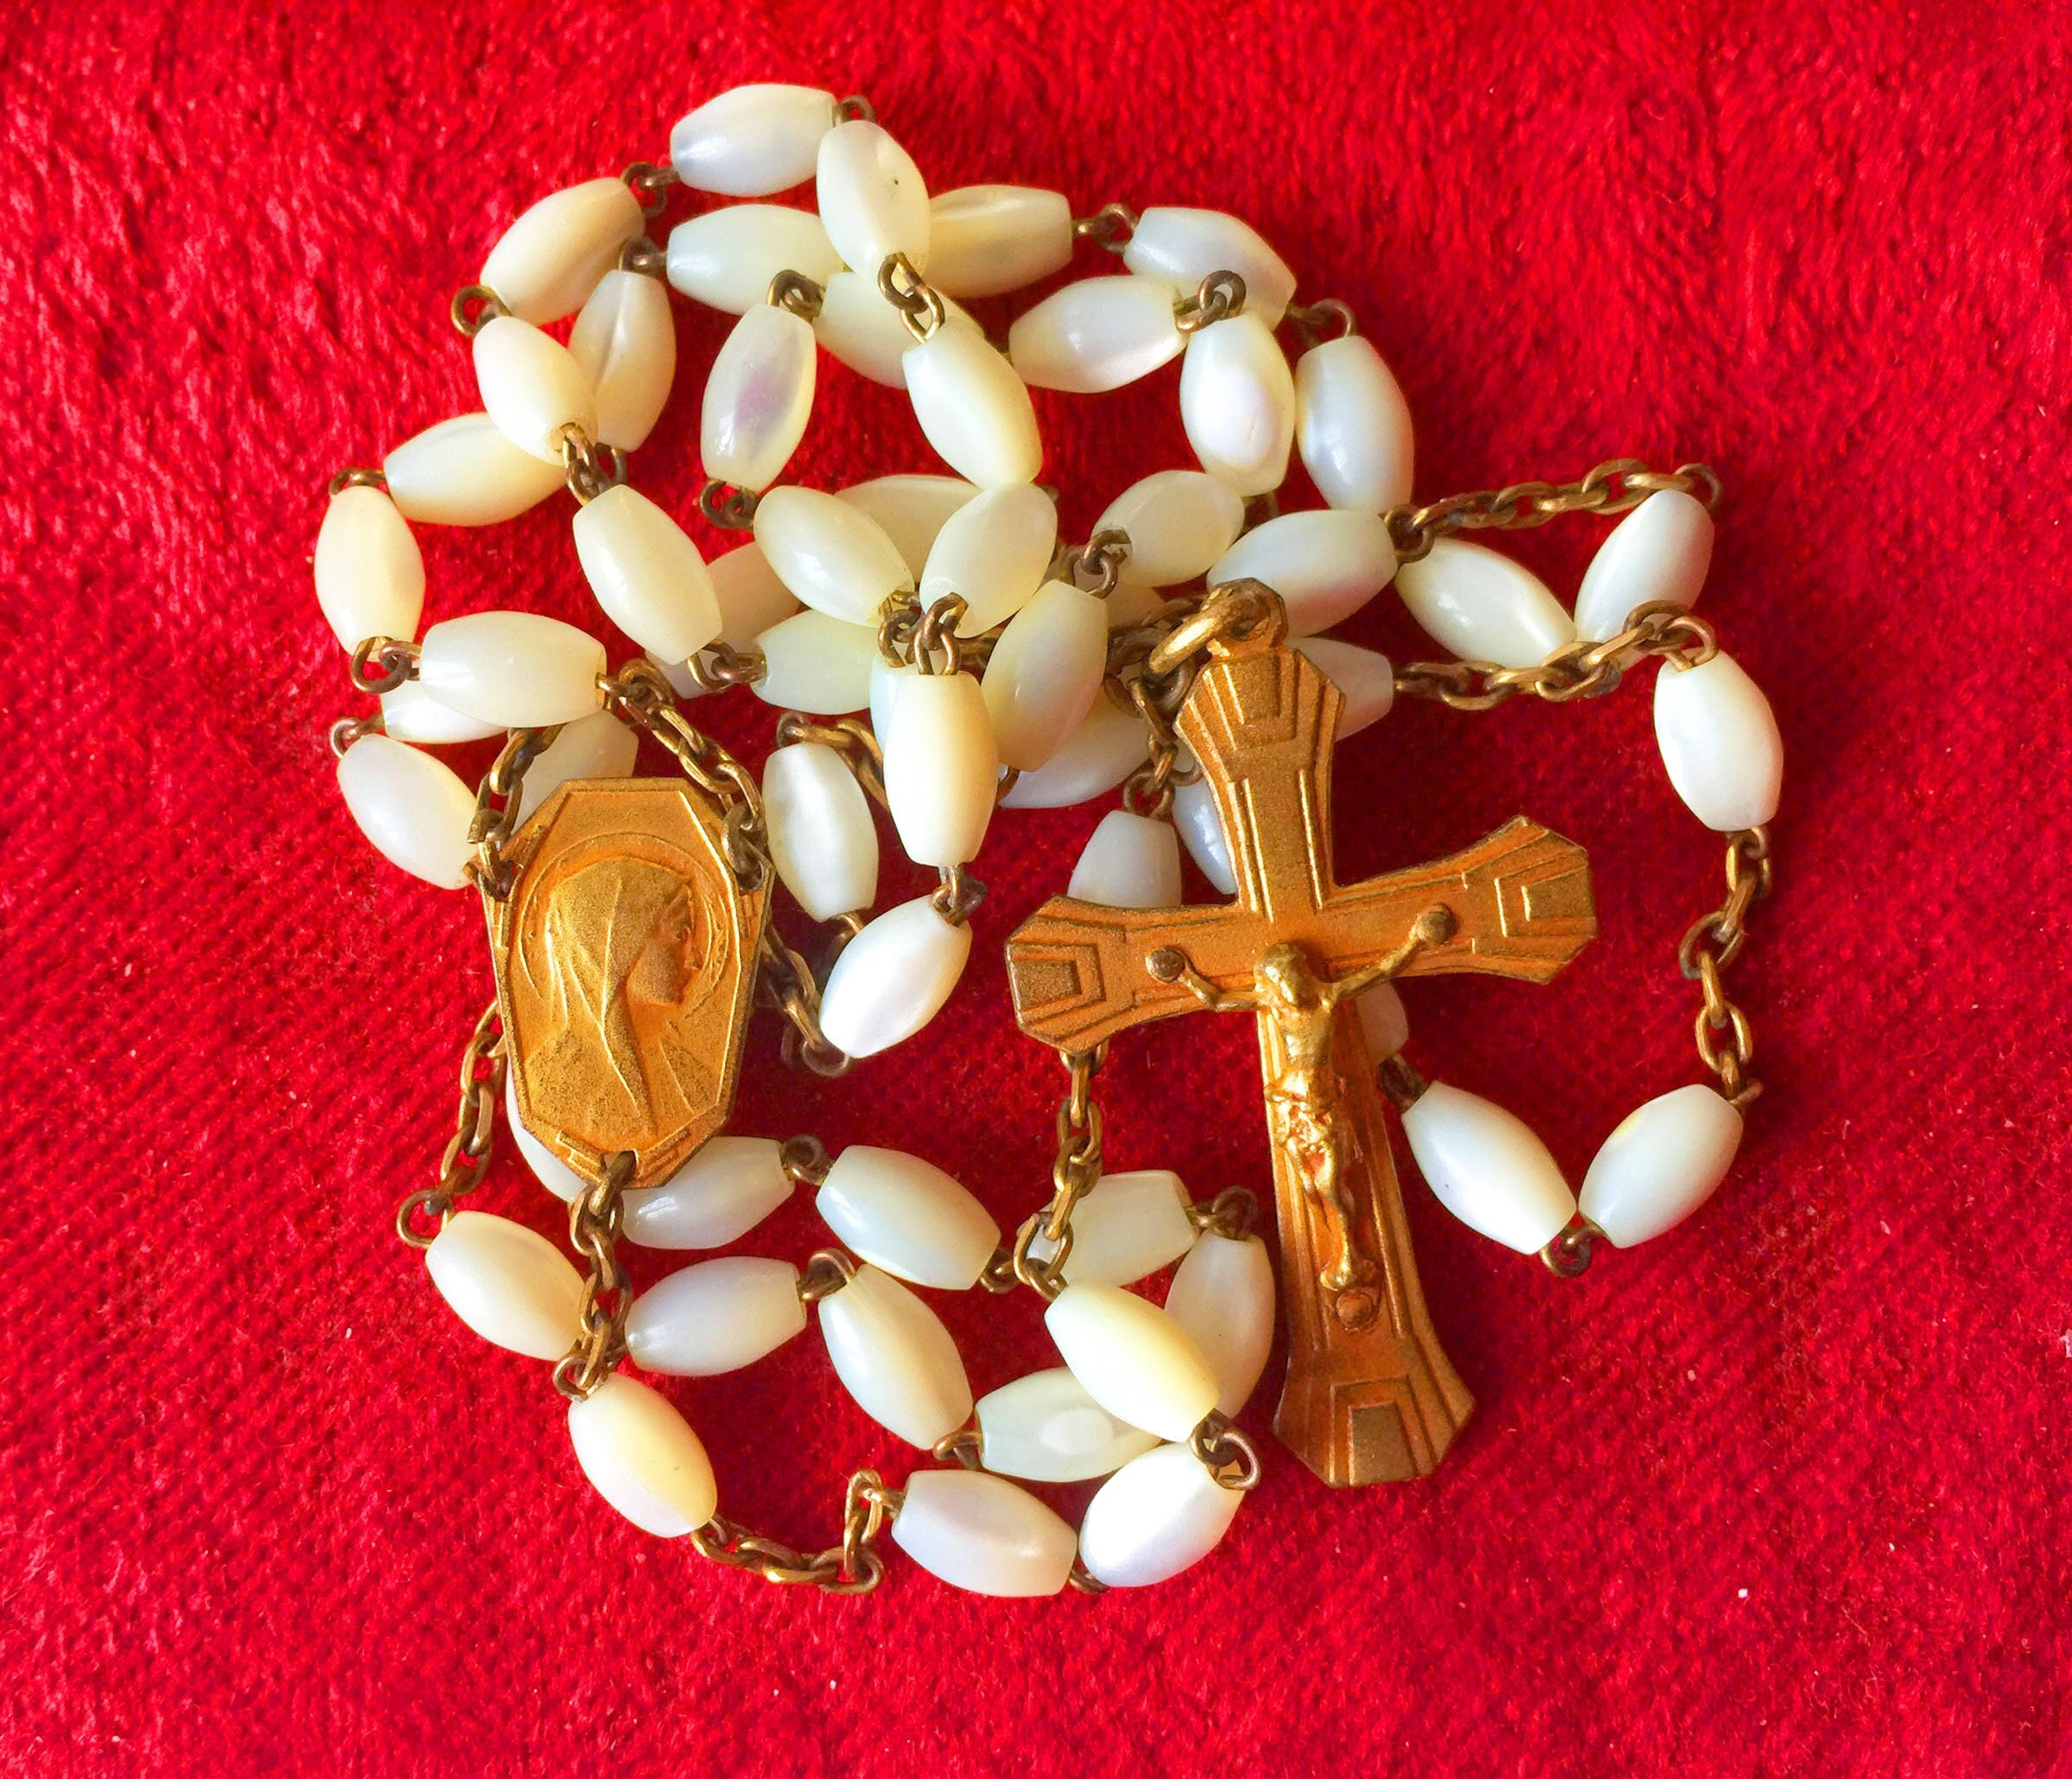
point(1175, 654)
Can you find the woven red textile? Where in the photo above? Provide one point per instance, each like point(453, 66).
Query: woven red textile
point(1784, 1491)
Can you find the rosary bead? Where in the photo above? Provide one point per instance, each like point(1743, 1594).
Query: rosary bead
point(414, 807)
point(817, 664)
point(725, 259)
point(861, 330)
point(715, 1317)
point(907, 1217)
point(625, 340)
point(973, 408)
point(1046, 1428)
point(370, 573)
point(598, 746)
point(641, 1456)
point(1160, 1514)
point(892, 979)
point(1125, 1228)
point(896, 1358)
point(1135, 1359)
point(1201, 829)
point(551, 258)
point(759, 396)
point(464, 471)
point(516, 669)
point(1383, 1021)
point(510, 1283)
point(1658, 552)
point(1352, 425)
point(1222, 1295)
point(1237, 402)
point(983, 1535)
point(1662, 1162)
point(1183, 246)
point(533, 388)
point(1487, 1168)
point(1095, 335)
point(986, 240)
point(993, 553)
point(751, 598)
point(941, 767)
point(1483, 606)
point(1098, 755)
point(1130, 862)
point(1325, 565)
point(823, 840)
point(751, 140)
point(871, 197)
point(1364, 679)
point(1719, 740)
point(1178, 521)
point(647, 574)
point(831, 554)
point(1045, 672)
point(411, 714)
point(913, 509)
point(886, 681)
point(725, 1188)
point(551, 1172)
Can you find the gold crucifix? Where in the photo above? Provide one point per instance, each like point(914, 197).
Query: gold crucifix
point(1370, 1396)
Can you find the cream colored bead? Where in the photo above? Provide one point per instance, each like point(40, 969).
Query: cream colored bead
point(510, 1284)
point(1383, 1021)
point(1158, 1514)
point(1201, 829)
point(1125, 1228)
point(1658, 552)
point(1483, 606)
point(1101, 753)
point(1046, 1428)
point(1178, 522)
point(414, 809)
point(871, 197)
point(1222, 1295)
point(886, 682)
point(912, 509)
point(1662, 1162)
point(830, 553)
point(1486, 1167)
point(751, 140)
point(986, 240)
point(817, 663)
point(411, 714)
point(758, 397)
point(907, 1217)
point(751, 598)
point(896, 1358)
point(1095, 335)
point(1045, 672)
point(515, 669)
point(973, 408)
point(1325, 565)
point(715, 1317)
point(598, 746)
point(1183, 246)
point(647, 574)
point(893, 978)
point(727, 1187)
point(1237, 402)
point(983, 1535)
point(992, 552)
point(1130, 862)
point(941, 769)
point(532, 386)
point(464, 471)
point(551, 259)
point(726, 258)
point(1352, 425)
point(625, 340)
point(551, 1172)
point(641, 1456)
point(1129, 604)
point(822, 839)
point(1364, 679)
point(1135, 1359)
point(1719, 740)
point(370, 575)
point(861, 330)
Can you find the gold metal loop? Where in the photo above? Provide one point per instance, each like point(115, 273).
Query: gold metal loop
point(921, 310)
point(1218, 297)
point(1310, 319)
point(348, 729)
point(795, 291)
point(854, 109)
point(356, 477)
point(641, 255)
point(826, 1271)
point(474, 307)
point(397, 662)
point(591, 469)
point(650, 184)
point(1226, 1454)
point(959, 1448)
point(1109, 227)
point(729, 507)
point(957, 897)
point(1568, 1256)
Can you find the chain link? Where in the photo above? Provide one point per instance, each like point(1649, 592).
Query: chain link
point(498, 800)
point(467, 1152)
point(1576, 670)
point(851, 1567)
point(1709, 947)
point(1613, 486)
point(594, 1222)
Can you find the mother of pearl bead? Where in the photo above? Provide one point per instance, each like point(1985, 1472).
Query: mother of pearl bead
point(1486, 1167)
point(510, 1283)
point(992, 552)
point(1045, 672)
point(913, 509)
point(752, 139)
point(1483, 606)
point(893, 978)
point(1129, 862)
point(464, 471)
point(1325, 565)
point(515, 669)
point(986, 240)
point(907, 1217)
point(1352, 425)
point(1222, 1295)
point(716, 1196)
point(1125, 1228)
point(1658, 552)
point(647, 573)
point(533, 387)
point(370, 573)
point(817, 663)
point(872, 201)
point(1095, 335)
point(941, 767)
point(715, 1317)
point(625, 340)
point(829, 553)
point(1719, 740)
point(551, 259)
point(726, 258)
point(1158, 1514)
point(1135, 1359)
point(641, 1456)
point(1183, 246)
point(823, 840)
point(1660, 1164)
point(1046, 1428)
point(414, 807)
point(973, 408)
point(896, 1358)
point(759, 395)
point(981, 1533)
point(1178, 522)
point(1237, 403)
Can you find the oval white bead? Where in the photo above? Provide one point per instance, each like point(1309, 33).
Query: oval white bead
point(982, 1534)
point(1097, 756)
point(750, 596)
point(817, 664)
point(893, 978)
point(829, 553)
point(1325, 565)
point(912, 509)
point(464, 471)
point(551, 259)
point(941, 767)
point(1658, 552)
point(823, 840)
point(1201, 829)
point(1045, 672)
point(907, 1217)
point(370, 573)
point(1237, 402)
point(720, 1193)
point(1158, 1514)
point(992, 552)
point(411, 714)
point(647, 573)
point(510, 1283)
point(414, 809)
point(1135, 1359)
point(1483, 606)
point(1364, 679)
point(759, 396)
point(973, 408)
point(532, 386)
point(715, 1317)
point(551, 1172)
point(752, 139)
point(1125, 1228)
point(625, 340)
point(1352, 425)
point(872, 201)
point(1045, 1427)
point(598, 746)
point(1129, 862)
point(641, 1456)
point(1383, 1020)
point(894, 1355)
point(1095, 335)
point(864, 331)
point(1222, 1295)
point(1662, 1162)
point(726, 258)
point(1178, 522)
point(515, 669)
point(1719, 741)
point(986, 240)
point(1486, 1167)
point(1182, 246)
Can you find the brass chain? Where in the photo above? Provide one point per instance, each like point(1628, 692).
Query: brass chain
point(468, 1150)
point(498, 799)
point(1576, 670)
point(594, 1220)
point(1613, 486)
point(851, 1567)
point(1075, 1167)
point(1710, 947)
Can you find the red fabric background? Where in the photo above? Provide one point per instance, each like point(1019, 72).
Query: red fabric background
point(1784, 1491)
